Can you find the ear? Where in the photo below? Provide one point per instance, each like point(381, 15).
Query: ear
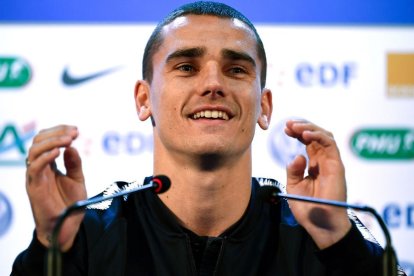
point(142, 99)
point(266, 109)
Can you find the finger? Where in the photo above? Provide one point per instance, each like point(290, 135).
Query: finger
point(295, 128)
point(46, 145)
point(307, 132)
point(60, 130)
point(73, 164)
point(289, 128)
point(73, 189)
point(296, 170)
point(49, 139)
point(44, 154)
point(323, 138)
point(45, 150)
point(40, 163)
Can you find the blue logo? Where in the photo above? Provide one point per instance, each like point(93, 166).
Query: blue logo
point(396, 216)
point(71, 80)
point(325, 74)
point(13, 142)
point(6, 214)
point(284, 148)
point(131, 143)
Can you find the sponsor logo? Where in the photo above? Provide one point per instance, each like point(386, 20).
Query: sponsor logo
point(13, 142)
point(14, 72)
point(6, 214)
point(325, 74)
point(396, 216)
point(384, 144)
point(70, 80)
point(284, 148)
point(400, 77)
point(131, 143)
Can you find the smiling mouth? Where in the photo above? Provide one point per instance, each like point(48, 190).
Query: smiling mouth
point(211, 114)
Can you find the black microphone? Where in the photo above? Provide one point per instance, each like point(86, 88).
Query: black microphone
point(159, 184)
point(273, 194)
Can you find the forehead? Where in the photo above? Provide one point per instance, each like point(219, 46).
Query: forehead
point(208, 31)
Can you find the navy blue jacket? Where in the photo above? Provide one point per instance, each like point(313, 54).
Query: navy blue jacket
point(138, 235)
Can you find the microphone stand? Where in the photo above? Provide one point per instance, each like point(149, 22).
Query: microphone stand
point(389, 256)
point(54, 257)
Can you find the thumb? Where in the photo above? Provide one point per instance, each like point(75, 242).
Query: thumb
point(296, 170)
point(73, 164)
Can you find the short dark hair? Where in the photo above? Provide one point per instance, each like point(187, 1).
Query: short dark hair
point(199, 8)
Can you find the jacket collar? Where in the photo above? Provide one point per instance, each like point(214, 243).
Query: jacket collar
point(257, 211)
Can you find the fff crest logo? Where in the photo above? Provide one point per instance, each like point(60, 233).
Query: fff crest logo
point(14, 72)
point(14, 141)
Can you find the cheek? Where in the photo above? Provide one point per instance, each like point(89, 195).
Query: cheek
point(255, 108)
point(159, 95)
point(165, 108)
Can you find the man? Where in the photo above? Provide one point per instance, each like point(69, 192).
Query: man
point(203, 87)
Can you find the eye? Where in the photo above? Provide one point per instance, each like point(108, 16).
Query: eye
point(186, 68)
point(237, 70)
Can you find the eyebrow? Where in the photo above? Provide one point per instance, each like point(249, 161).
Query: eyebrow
point(187, 52)
point(200, 51)
point(235, 55)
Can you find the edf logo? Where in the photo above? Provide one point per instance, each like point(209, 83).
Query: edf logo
point(396, 216)
point(131, 143)
point(325, 74)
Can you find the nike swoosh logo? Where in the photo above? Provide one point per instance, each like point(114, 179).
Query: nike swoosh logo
point(70, 80)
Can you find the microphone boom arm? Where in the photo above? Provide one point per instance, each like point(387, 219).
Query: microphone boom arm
point(159, 183)
point(389, 257)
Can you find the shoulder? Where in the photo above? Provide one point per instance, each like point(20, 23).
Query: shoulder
point(105, 212)
point(264, 189)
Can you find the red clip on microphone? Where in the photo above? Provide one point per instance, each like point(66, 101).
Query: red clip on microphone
point(162, 182)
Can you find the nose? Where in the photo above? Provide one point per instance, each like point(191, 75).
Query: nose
point(212, 80)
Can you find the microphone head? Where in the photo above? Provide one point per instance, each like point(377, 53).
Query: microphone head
point(268, 193)
point(162, 182)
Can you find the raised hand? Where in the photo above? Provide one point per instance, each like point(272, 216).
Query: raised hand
point(50, 191)
point(324, 179)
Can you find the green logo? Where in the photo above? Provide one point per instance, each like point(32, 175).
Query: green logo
point(384, 144)
point(14, 72)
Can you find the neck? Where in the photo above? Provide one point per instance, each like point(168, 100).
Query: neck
point(207, 199)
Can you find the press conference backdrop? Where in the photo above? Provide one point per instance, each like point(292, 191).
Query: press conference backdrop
point(346, 65)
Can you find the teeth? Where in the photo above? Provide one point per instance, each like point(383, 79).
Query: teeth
point(211, 114)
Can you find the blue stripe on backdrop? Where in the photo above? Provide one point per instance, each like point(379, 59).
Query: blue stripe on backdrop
point(366, 12)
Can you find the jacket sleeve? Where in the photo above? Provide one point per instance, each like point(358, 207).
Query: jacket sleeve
point(33, 260)
point(354, 255)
